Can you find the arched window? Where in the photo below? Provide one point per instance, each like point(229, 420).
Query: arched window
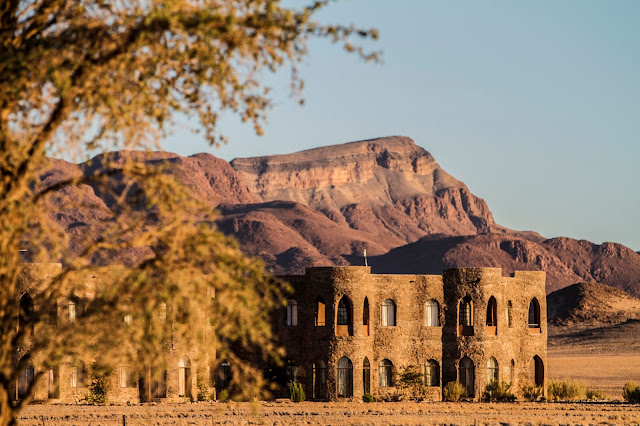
point(534, 313)
point(512, 372)
point(184, 377)
point(345, 378)
point(388, 313)
point(77, 374)
point(432, 373)
point(344, 326)
point(465, 317)
point(319, 379)
point(466, 375)
point(162, 311)
point(74, 309)
point(492, 370)
point(536, 371)
point(25, 380)
point(366, 376)
point(385, 373)
point(320, 313)
point(509, 314)
point(54, 383)
point(365, 317)
point(292, 313)
point(431, 313)
point(224, 375)
point(25, 316)
point(492, 312)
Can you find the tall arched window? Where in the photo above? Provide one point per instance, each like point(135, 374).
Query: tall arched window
point(492, 317)
point(345, 378)
point(320, 313)
point(534, 313)
point(536, 371)
point(431, 313)
point(319, 379)
point(184, 377)
point(512, 372)
point(466, 375)
point(492, 370)
point(292, 313)
point(366, 376)
point(385, 373)
point(388, 313)
point(365, 317)
point(509, 314)
point(432, 373)
point(77, 374)
point(465, 317)
point(25, 316)
point(344, 324)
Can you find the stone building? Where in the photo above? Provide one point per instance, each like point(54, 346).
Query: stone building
point(346, 331)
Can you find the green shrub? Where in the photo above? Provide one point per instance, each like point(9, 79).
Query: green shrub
point(631, 392)
point(202, 393)
point(498, 391)
point(565, 390)
point(531, 392)
point(224, 395)
point(410, 383)
point(454, 391)
point(296, 392)
point(367, 397)
point(98, 383)
point(594, 395)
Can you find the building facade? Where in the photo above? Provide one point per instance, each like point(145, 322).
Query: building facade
point(347, 331)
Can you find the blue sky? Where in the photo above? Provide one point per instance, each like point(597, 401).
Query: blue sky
point(534, 105)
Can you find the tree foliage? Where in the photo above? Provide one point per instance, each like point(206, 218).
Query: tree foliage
point(81, 76)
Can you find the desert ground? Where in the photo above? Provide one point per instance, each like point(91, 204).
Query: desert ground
point(339, 413)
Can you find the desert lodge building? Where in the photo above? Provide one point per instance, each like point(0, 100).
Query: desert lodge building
point(347, 332)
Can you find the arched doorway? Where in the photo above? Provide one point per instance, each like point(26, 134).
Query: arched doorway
point(345, 378)
point(319, 379)
point(536, 371)
point(184, 377)
point(366, 376)
point(466, 375)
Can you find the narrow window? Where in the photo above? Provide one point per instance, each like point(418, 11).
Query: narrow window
point(224, 375)
point(466, 375)
point(344, 326)
point(492, 370)
point(343, 312)
point(320, 313)
point(292, 313)
point(72, 310)
point(25, 381)
point(388, 313)
point(465, 318)
point(162, 311)
point(52, 314)
point(512, 372)
point(77, 374)
point(432, 373)
point(534, 313)
point(385, 373)
point(345, 378)
point(125, 377)
point(509, 314)
point(492, 312)
point(366, 376)
point(365, 317)
point(25, 316)
point(432, 314)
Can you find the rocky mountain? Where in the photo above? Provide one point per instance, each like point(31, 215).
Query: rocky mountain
point(325, 206)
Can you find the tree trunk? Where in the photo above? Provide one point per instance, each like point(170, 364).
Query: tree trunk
point(6, 408)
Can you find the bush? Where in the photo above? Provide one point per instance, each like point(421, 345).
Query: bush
point(367, 397)
point(98, 384)
point(296, 392)
point(202, 391)
point(594, 395)
point(454, 391)
point(531, 392)
point(565, 390)
point(498, 391)
point(410, 383)
point(631, 392)
point(224, 395)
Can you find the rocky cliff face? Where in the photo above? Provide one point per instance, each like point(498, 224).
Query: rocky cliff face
point(325, 206)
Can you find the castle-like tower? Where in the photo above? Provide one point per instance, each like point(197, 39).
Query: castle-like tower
point(346, 331)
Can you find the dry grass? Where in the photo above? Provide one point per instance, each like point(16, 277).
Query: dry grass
point(335, 413)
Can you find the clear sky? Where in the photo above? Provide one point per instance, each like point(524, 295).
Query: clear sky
point(534, 105)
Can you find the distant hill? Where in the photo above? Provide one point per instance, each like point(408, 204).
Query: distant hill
point(325, 206)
